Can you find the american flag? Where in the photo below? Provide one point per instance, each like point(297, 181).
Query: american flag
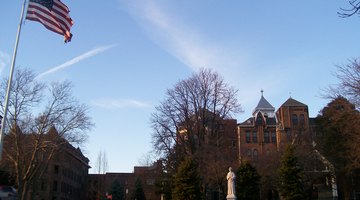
point(53, 14)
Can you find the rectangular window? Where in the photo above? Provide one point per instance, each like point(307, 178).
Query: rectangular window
point(273, 137)
point(247, 136)
point(294, 119)
point(288, 135)
point(266, 137)
point(150, 181)
point(55, 186)
point(254, 137)
point(42, 186)
point(302, 120)
point(56, 169)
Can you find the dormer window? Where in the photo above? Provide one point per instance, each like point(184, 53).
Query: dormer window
point(259, 119)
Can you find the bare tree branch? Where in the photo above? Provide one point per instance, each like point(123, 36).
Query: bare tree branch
point(354, 9)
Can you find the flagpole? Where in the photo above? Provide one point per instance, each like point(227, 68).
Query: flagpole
point(3, 122)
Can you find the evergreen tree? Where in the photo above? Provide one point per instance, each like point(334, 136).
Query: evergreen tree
point(187, 181)
point(117, 191)
point(291, 184)
point(247, 182)
point(138, 192)
point(163, 187)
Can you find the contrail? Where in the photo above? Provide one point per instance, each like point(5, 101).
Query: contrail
point(76, 60)
point(120, 103)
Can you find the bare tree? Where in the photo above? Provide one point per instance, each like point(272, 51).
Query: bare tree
point(101, 165)
point(38, 125)
point(146, 159)
point(352, 10)
point(349, 83)
point(188, 121)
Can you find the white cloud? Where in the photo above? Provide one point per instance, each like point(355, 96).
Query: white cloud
point(4, 60)
point(118, 104)
point(193, 47)
point(181, 40)
point(76, 60)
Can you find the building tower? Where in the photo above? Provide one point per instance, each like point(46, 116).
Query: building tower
point(257, 135)
point(292, 122)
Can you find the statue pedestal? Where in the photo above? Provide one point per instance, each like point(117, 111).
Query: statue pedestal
point(231, 197)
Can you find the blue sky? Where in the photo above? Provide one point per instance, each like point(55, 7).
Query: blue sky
point(125, 54)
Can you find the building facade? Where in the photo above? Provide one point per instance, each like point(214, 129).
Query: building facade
point(66, 176)
point(268, 131)
point(101, 184)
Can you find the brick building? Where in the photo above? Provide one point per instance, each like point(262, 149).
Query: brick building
point(65, 177)
point(100, 184)
point(258, 134)
point(260, 139)
point(267, 131)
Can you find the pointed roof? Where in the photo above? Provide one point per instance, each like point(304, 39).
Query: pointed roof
point(292, 102)
point(263, 105)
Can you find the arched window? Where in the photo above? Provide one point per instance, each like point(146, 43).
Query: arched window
point(248, 153)
point(259, 119)
point(255, 154)
point(294, 119)
point(267, 152)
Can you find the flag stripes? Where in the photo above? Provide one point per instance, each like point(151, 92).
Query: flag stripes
point(56, 19)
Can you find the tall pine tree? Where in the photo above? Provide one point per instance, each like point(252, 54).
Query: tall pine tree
point(291, 183)
point(247, 182)
point(138, 192)
point(117, 191)
point(187, 181)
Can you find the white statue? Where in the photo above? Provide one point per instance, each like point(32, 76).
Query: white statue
point(231, 183)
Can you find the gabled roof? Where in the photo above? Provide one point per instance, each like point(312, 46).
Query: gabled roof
point(248, 122)
point(270, 121)
point(292, 102)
